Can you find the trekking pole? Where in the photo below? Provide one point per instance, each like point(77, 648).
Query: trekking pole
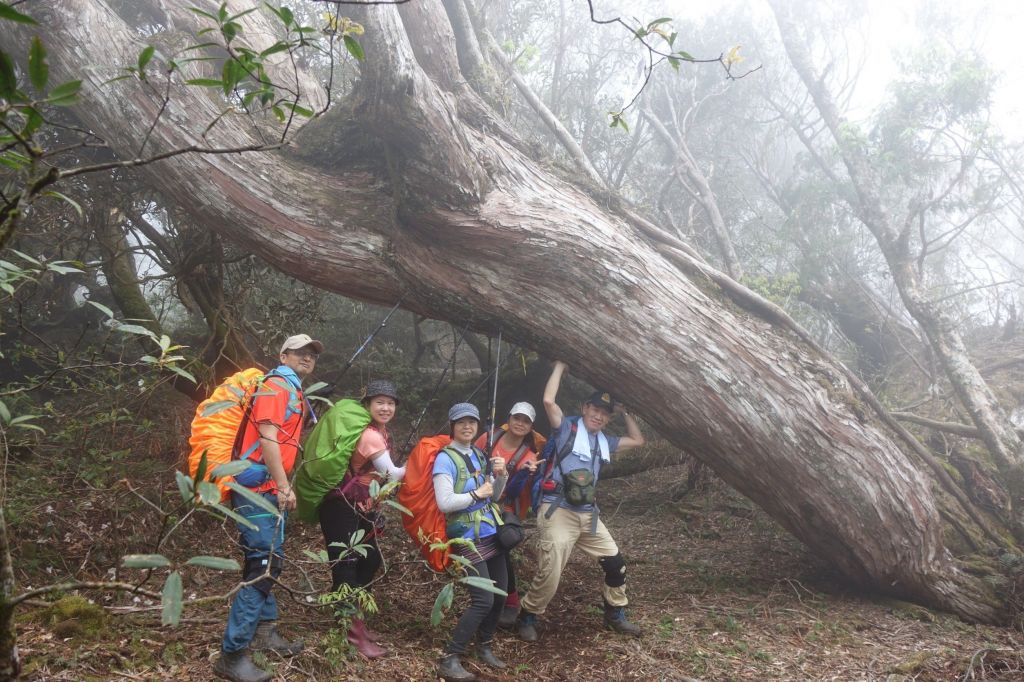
point(433, 394)
point(369, 338)
point(494, 394)
point(494, 406)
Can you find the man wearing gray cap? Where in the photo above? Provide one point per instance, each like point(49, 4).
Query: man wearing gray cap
point(270, 440)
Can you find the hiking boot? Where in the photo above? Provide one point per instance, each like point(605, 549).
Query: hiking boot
point(615, 619)
point(527, 626)
point(507, 619)
point(267, 638)
point(372, 635)
point(450, 668)
point(237, 666)
point(359, 639)
point(485, 653)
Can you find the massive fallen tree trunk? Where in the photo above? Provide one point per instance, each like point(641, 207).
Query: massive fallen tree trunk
point(415, 188)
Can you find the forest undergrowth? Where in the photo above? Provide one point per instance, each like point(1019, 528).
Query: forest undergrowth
point(722, 592)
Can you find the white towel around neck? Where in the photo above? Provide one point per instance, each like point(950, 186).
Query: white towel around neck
point(581, 446)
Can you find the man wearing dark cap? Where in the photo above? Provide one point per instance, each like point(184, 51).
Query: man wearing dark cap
point(270, 440)
point(568, 516)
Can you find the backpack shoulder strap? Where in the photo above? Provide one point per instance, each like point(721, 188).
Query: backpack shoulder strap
point(520, 453)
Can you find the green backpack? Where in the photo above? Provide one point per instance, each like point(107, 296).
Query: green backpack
point(327, 453)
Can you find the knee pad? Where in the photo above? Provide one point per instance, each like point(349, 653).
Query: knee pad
point(256, 567)
point(614, 568)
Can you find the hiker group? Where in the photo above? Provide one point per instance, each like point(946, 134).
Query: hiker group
point(467, 491)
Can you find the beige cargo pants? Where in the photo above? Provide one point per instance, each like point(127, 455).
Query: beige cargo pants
point(556, 538)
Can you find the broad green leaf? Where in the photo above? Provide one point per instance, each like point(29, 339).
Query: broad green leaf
point(170, 598)
point(319, 557)
point(8, 81)
point(144, 57)
point(215, 562)
point(21, 419)
point(354, 48)
point(206, 82)
point(38, 69)
point(184, 486)
point(134, 329)
point(356, 537)
point(149, 360)
point(460, 560)
point(204, 464)
point(398, 506)
point(203, 14)
point(5, 414)
point(374, 489)
point(278, 112)
point(9, 13)
point(483, 583)
point(61, 269)
point(182, 373)
point(254, 498)
point(219, 406)
point(104, 309)
point(235, 466)
point(65, 94)
point(209, 493)
point(279, 46)
point(314, 388)
point(237, 518)
point(243, 13)
point(30, 427)
point(144, 561)
point(25, 256)
point(444, 596)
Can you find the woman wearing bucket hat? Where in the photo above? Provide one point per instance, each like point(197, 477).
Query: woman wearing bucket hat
point(518, 444)
point(464, 492)
point(348, 508)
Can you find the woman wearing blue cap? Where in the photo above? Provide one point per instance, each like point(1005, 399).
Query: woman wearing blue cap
point(348, 507)
point(464, 491)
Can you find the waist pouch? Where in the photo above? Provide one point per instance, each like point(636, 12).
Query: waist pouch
point(253, 477)
point(510, 532)
point(580, 488)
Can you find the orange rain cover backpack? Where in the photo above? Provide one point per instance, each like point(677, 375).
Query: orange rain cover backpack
point(217, 423)
point(426, 525)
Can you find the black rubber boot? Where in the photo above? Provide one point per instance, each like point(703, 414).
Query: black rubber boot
point(450, 668)
point(485, 653)
point(615, 618)
point(526, 626)
point(237, 666)
point(267, 638)
point(507, 619)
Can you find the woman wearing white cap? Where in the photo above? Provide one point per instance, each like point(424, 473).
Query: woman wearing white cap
point(515, 444)
point(464, 492)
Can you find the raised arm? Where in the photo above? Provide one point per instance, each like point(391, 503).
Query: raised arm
point(633, 437)
point(554, 412)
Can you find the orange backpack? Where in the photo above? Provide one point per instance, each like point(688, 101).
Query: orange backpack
point(426, 524)
point(217, 422)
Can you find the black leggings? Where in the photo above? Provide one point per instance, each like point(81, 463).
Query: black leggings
point(481, 618)
point(339, 520)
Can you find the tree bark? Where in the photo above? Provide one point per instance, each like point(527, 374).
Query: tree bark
point(458, 219)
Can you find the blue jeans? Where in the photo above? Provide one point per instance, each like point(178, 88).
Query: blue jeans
point(262, 546)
